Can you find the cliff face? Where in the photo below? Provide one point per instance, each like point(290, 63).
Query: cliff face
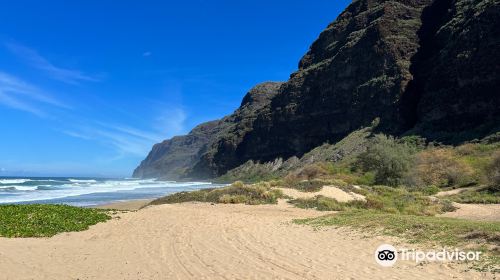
point(457, 70)
point(175, 158)
point(428, 67)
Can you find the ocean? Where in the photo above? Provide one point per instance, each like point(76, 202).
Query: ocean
point(88, 191)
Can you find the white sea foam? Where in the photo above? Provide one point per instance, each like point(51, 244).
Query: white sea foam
point(31, 193)
point(25, 188)
point(14, 181)
point(81, 181)
point(18, 188)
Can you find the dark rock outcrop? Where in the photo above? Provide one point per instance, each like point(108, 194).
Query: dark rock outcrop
point(457, 71)
point(427, 67)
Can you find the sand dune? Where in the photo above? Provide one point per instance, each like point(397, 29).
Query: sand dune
point(328, 191)
point(203, 241)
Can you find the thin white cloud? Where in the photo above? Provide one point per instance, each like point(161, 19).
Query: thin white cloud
point(76, 134)
point(70, 76)
point(124, 139)
point(123, 143)
point(171, 122)
point(20, 95)
point(153, 136)
point(19, 105)
point(146, 54)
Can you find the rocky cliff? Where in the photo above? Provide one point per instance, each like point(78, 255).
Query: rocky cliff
point(172, 158)
point(420, 66)
point(456, 85)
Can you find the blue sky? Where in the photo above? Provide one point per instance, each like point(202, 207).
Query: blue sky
point(87, 87)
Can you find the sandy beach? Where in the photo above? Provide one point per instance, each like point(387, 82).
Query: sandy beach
point(131, 205)
point(204, 241)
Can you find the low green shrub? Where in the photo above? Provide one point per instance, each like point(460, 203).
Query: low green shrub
point(232, 199)
point(260, 193)
point(447, 205)
point(308, 185)
point(485, 195)
point(367, 179)
point(430, 190)
point(44, 220)
point(311, 171)
point(387, 159)
point(493, 170)
point(414, 141)
point(442, 168)
point(200, 195)
point(319, 202)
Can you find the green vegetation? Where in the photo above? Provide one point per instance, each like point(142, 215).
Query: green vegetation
point(409, 162)
point(485, 195)
point(429, 190)
point(249, 172)
point(321, 203)
point(305, 185)
point(345, 150)
point(383, 199)
point(493, 169)
point(313, 185)
point(238, 192)
point(43, 220)
point(441, 167)
point(415, 229)
point(387, 159)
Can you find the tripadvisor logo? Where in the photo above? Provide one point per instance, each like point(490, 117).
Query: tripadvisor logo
point(386, 255)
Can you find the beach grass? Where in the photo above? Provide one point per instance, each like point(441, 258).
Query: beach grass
point(45, 220)
point(485, 195)
point(260, 193)
point(320, 203)
point(414, 228)
point(380, 198)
